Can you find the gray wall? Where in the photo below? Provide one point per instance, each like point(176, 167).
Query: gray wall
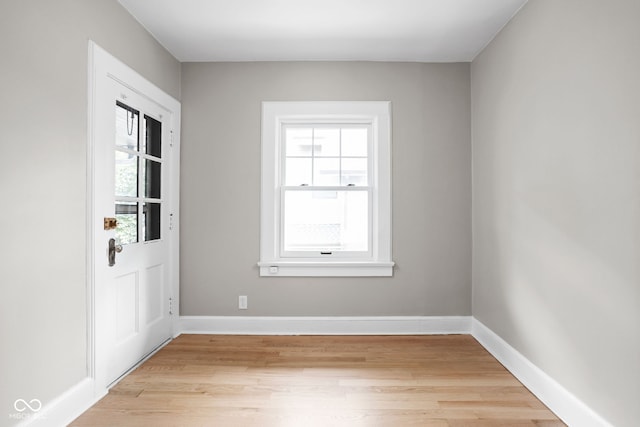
point(556, 195)
point(43, 139)
point(220, 189)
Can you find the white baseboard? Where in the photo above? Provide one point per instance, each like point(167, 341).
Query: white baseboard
point(391, 325)
point(64, 408)
point(563, 403)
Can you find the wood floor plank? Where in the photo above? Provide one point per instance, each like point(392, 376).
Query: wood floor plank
point(216, 380)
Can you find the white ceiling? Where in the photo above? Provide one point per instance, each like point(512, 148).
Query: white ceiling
point(318, 30)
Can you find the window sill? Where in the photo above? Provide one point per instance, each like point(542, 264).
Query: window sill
point(325, 269)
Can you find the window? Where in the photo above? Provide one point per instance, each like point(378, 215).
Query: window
point(326, 189)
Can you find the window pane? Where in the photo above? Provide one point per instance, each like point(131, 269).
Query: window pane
point(127, 218)
point(354, 172)
point(326, 142)
point(126, 127)
point(298, 141)
point(326, 221)
point(151, 213)
point(354, 142)
point(326, 171)
point(298, 172)
point(151, 144)
point(151, 174)
point(126, 176)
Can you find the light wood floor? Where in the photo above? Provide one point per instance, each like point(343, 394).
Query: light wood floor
point(214, 380)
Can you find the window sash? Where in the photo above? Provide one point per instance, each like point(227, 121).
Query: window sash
point(328, 252)
point(321, 125)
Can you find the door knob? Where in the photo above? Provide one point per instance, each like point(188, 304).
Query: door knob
point(113, 248)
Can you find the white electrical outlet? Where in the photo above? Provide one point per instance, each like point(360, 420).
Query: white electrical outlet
point(242, 302)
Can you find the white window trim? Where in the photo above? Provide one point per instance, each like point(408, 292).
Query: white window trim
point(274, 114)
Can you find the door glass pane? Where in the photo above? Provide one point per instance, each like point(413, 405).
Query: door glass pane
point(151, 174)
point(137, 178)
point(126, 127)
point(151, 212)
point(151, 143)
point(127, 228)
point(326, 221)
point(126, 174)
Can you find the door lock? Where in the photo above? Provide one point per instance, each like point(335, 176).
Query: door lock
point(110, 223)
point(113, 248)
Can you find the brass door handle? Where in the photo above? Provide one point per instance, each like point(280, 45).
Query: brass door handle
point(113, 248)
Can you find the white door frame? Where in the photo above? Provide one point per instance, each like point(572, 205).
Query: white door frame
point(102, 68)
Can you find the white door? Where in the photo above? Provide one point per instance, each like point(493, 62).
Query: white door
point(132, 218)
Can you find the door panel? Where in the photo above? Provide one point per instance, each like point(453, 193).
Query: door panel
point(126, 300)
point(153, 295)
